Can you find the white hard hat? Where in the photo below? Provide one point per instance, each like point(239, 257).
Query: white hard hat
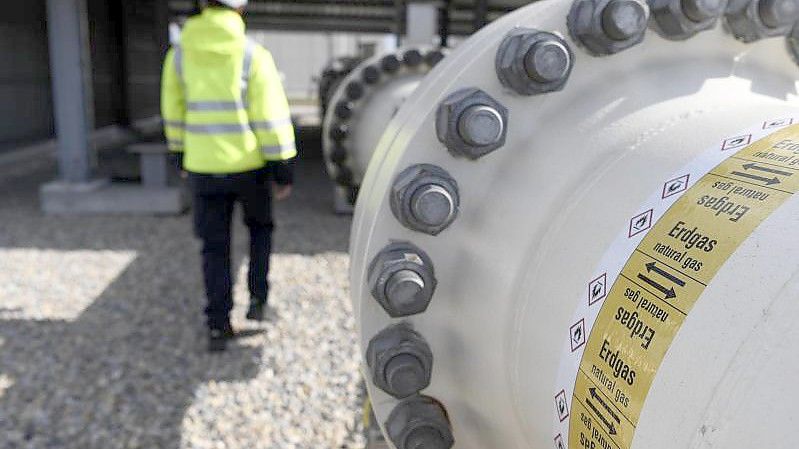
point(234, 3)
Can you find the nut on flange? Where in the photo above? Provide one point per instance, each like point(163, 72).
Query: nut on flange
point(757, 19)
point(533, 62)
point(402, 279)
point(419, 422)
point(425, 198)
point(681, 19)
point(605, 27)
point(471, 123)
point(400, 361)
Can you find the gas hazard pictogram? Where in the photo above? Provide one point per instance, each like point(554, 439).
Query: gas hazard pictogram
point(777, 123)
point(562, 406)
point(675, 186)
point(598, 289)
point(640, 223)
point(736, 142)
point(559, 442)
point(577, 335)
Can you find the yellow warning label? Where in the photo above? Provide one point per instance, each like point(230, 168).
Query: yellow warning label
point(664, 278)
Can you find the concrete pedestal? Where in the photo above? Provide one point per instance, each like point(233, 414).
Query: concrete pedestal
point(102, 197)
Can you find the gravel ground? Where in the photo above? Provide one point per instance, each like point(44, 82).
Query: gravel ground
point(102, 343)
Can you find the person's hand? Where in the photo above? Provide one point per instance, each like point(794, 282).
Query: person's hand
point(282, 192)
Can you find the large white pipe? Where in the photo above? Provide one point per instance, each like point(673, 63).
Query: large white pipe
point(659, 181)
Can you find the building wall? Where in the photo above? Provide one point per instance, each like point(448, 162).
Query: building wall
point(300, 69)
point(147, 39)
point(25, 100)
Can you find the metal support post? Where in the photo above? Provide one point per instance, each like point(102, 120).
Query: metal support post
point(70, 67)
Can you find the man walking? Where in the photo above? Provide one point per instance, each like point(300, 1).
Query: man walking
point(224, 108)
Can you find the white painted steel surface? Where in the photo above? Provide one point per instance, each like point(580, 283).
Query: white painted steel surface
point(538, 215)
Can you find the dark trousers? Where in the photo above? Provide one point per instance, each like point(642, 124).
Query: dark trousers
point(214, 200)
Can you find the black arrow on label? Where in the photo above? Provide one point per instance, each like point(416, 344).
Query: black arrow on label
point(767, 181)
point(753, 166)
point(652, 266)
point(670, 293)
point(608, 424)
point(604, 404)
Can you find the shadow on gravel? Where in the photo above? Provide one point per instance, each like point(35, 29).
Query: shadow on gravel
point(124, 372)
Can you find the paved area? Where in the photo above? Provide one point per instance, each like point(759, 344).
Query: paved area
point(102, 344)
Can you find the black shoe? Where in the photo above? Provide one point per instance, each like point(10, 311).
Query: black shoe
point(260, 311)
point(217, 340)
point(218, 337)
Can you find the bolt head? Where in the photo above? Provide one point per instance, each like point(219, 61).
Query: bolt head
point(433, 57)
point(425, 198)
point(605, 27)
point(433, 205)
point(412, 58)
point(481, 126)
point(624, 19)
point(355, 90)
point(681, 19)
point(405, 375)
point(532, 62)
point(403, 287)
point(402, 280)
point(778, 13)
point(390, 63)
point(370, 75)
point(547, 61)
point(700, 10)
point(419, 422)
point(759, 19)
point(400, 361)
point(471, 123)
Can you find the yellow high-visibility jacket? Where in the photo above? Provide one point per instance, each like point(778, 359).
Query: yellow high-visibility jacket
point(222, 100)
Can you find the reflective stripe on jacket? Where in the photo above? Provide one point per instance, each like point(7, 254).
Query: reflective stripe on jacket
point(222, 100)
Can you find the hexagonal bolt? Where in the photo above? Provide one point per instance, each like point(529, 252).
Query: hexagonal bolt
point(759, 19)
point(343, 110)
point(370, 75)
point(681, 19)
point(471, 123)
point(338, 155)
point(339, 132)
point(433, 57)
point(412, 58)
point(778, 13)
point(355, 90)
point(605, 27)
point(390, 63)
point(400, 361)
point(402, 279)
point(533, 62)
point(425, 198)
point(419, 422)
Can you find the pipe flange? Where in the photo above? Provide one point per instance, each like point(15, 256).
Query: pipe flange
point(533, 62)
point(402, 279)
point(400, 361)
point(471, 123)
point(370, 77)
point(682, 19)
point(425, 198)
point(419, 422)
point(758, 19)
point(606, 27)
